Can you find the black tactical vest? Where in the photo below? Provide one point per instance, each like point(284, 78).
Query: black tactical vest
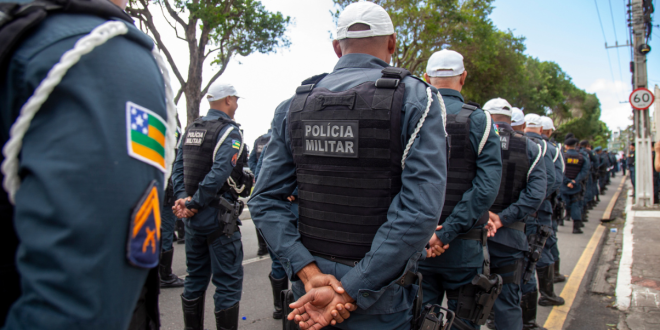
point(347, 149)
point(199, 142)
point(260, 143)
point(462, 167)
point(515, 166)
point(573, 165)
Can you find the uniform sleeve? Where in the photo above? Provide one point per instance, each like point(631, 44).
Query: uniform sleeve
point(177, 173)
point(80, 186)
point(557, 167)
point(583, 172)
point(252, 159)
point(534, 193)
point(223, 165)
point(485, 186)
point(257, 168)
point(550, 172)
point(414, 212)
point(270, 210)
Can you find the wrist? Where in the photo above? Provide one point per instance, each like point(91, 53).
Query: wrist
point(346, 296)
point(307, 273)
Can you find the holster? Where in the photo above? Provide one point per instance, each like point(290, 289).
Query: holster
point(432, 316)
point(536, 244)
point(287, 298)
point(227, 218)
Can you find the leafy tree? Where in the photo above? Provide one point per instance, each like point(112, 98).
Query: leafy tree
point(217, 29)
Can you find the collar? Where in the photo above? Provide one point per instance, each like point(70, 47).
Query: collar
point(573, 150)
point(451, 93)
point(534, 135)
point(501, 124)
point(365, 61)
point(217, 114)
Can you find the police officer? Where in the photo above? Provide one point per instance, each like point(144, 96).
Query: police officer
point(370, 189)
point(603, 165)
point(576, 170)
point(554, 171)
point(92, 166)
point(259, 145)
point(589, 193)
point(208, 178)
point(473, 180)
point(517, 120)
point(631, 164)
point(522, 191)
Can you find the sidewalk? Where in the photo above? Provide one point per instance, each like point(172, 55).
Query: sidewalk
point(638, 281)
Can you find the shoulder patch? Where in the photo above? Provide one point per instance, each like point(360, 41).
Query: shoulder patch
point(143, 247)
point(236, 144)
point(145, 135)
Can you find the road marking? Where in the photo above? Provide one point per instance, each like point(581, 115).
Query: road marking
point(558, 314)
point(608, 211)
point(624, 276)
point(253, 260)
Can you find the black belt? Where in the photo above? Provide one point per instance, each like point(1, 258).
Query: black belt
point(210, 238)
point(519, 226)
point(474, 235)
point(407, 279)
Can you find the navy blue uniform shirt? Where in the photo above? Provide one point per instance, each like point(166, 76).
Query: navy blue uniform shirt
point(413, 214)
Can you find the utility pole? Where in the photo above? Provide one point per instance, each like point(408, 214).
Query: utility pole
point(642, 122)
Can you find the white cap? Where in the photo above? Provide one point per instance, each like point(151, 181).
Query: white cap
point(219, 91)
point(517, 117)
point(498, 106)
point(367, 13)
point(533, 120)
point(445, 63)
point(546, 123)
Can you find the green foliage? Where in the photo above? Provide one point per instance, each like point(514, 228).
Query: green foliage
point(494, 59)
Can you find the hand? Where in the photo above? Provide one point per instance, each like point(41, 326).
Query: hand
point(493, 217)
point(312, 278)
point(291, 198)
point(181, 211)
point(436, 247)
point(570, 185)
point(320, 307)
point(490, 226)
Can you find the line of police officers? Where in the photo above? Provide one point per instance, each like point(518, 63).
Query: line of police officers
point(405, 194)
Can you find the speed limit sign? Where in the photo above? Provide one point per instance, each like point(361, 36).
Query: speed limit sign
point(641, 98)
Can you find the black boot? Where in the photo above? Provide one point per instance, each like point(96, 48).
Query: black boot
point(577, 224)
point(193, 313)
point(528, 304)
point(263, 248)
point(278, 285)
point(167, 279)
point(227, 319)
point(558, 277)
point(547, 287)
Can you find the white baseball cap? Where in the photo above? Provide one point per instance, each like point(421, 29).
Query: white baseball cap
point(517, 117)
point(533, 120)
point(369, 13)
point(445, 63)
point(219, 91)
point(546, 123)
point(498, 106)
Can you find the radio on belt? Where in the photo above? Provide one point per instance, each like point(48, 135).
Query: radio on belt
point(331, 138)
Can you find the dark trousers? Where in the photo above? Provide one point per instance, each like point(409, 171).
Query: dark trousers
point(167, 224)
point(507, 310)
point(220, 262)
point(573, 206)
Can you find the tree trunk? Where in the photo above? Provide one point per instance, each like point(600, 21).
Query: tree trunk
point(193, 88)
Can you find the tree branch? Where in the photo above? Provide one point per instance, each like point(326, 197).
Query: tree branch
point(219, 73)
point(178, 95)
point(174, 15)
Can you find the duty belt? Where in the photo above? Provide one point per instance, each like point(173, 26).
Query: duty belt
point(407, 279)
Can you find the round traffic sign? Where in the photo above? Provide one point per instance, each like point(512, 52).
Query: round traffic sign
point(641, 98)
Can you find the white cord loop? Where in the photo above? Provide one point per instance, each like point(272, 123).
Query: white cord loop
point(484, 138)
point(429, 96)
point(170, 138)
point(536, 161)
point(12, 148)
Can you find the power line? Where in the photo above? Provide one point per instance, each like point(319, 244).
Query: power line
point(616, 40)
point(605, 39)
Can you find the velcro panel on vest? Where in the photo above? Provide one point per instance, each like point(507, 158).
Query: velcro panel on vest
point(199, 143)
point(573, 165)
point(462, 167)
point(344, 199)
point(515, 166)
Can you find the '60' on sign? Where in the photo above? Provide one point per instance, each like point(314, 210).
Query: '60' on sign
point(641, 98)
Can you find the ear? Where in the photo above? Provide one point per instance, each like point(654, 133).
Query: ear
point(463, 78)
point(337, 48)
point(427, 78)
point(391, 44)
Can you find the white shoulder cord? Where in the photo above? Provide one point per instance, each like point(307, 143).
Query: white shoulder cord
point(86, 44)
point(444, 112)
point(545, 147)
point(563, 169)
point(170, 142)
point(429, 96)
point(554, 159)
point(536, 161)
point(486, 132)
point(230, 181)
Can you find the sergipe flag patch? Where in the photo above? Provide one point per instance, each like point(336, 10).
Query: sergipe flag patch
point(143, 247)
point(146, 135)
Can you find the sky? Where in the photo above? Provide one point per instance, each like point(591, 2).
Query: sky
point(562, 31)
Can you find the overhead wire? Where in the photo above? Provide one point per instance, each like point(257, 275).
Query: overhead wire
point(609, 60)
point(616, 39)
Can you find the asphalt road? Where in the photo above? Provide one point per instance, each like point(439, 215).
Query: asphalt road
point(256, 303)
